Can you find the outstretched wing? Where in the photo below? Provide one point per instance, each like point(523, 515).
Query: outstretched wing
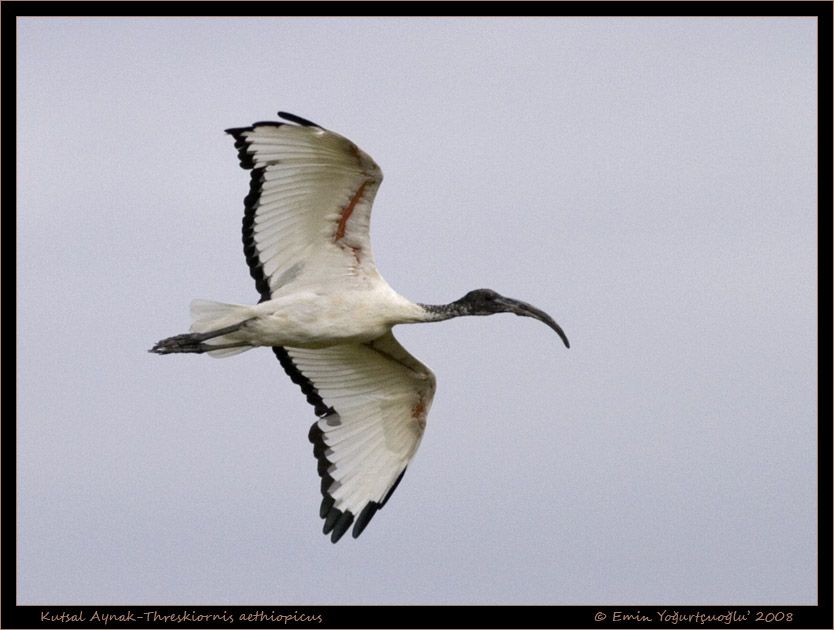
point(378, 396)
point(309, 205)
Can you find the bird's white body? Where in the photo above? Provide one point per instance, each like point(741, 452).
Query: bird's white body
point(309, 318)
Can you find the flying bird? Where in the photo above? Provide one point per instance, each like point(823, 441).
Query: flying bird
point(327, 313)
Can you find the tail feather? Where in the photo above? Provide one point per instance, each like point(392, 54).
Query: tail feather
point(207, 315)
point(222, 353)
point(213, 329)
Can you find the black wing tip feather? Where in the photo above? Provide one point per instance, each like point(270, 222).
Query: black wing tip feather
point(394, 487)
point(365, 517)
point(298, 120)
point(237, 132)
point(373, 507)
point(244, 157)
point(336, 521)
point(250, 205)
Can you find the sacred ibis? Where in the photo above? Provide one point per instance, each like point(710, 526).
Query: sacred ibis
point(327, 313)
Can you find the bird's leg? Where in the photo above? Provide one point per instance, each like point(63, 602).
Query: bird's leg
point(193, 342)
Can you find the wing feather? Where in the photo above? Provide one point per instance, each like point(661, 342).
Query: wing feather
point(309, 205)
point(379, 396)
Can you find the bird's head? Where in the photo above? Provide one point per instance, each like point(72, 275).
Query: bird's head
point(488, 302)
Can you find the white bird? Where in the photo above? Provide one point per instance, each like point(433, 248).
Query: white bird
point(327, 313)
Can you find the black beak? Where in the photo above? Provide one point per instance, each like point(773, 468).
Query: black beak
point(528, 310)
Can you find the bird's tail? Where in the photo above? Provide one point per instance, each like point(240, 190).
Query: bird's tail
point(213, 328)
point(208, 316)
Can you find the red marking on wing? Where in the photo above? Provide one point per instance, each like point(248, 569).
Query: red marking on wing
point(348, 210)
point(418, 412)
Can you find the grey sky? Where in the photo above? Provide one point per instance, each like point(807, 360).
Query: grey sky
point(651, 183)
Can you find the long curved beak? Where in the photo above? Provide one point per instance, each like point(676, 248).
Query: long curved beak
point(528, 310)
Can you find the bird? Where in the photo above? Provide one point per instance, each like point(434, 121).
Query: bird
point(327, 313)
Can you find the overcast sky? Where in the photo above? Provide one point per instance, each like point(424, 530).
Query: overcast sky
point(651, 183)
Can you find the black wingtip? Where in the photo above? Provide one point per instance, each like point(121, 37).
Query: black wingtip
point(336, 523)
point(394, 487)
point(330, 520)
point(247, 160)
point(364, 518)
point(341, 526)
point(298, 119)
point(326, 505)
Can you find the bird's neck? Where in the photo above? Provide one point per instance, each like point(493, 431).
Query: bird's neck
point(440, 312)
